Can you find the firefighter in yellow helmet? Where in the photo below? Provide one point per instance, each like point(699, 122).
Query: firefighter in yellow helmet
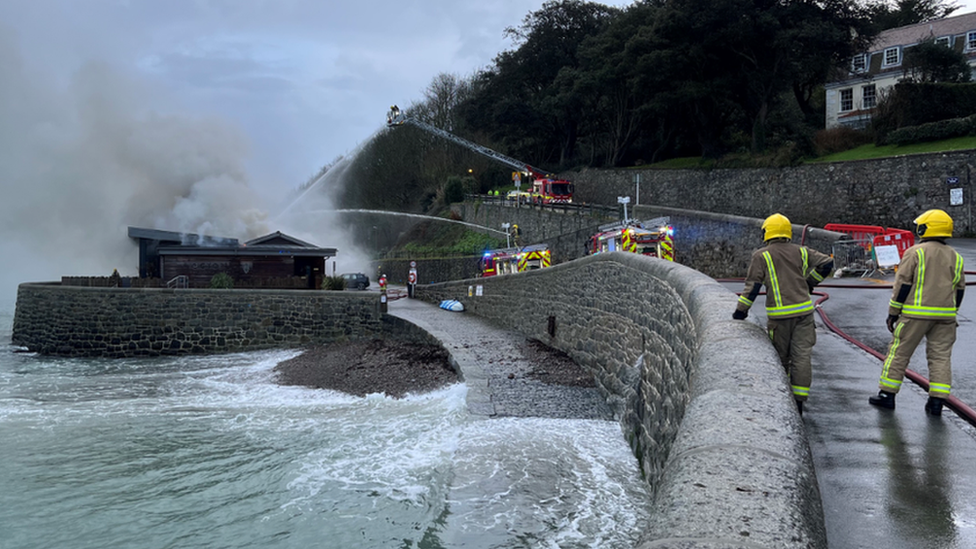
point(789, 272)
point(927, 292)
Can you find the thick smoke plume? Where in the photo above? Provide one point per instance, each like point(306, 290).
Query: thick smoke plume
point(82, 160)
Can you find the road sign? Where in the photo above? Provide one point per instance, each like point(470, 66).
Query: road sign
point(955, 196)
point(952, 180)
point(413, 264)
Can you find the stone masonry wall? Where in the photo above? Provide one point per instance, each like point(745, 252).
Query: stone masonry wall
point(123, 322)
point(718, 245)
point(702, 399)
point(890, 192)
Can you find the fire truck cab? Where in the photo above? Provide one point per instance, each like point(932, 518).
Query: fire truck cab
point(653, 238)
point(552, 191)
point(515, 260)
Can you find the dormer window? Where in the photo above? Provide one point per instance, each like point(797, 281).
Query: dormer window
point(859, 63)
point(971, 40)
point(892, 56)
point(944, 41)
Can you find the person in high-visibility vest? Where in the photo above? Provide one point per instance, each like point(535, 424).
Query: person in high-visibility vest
point(928, 289)
point(789, 272)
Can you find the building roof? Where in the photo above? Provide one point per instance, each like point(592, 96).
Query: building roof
point(278, 238)
point(276, 243)
point(181, 238)
point(913, 34)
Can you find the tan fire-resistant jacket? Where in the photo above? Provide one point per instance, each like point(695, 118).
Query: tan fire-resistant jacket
point(934, 273)
point(788, 271)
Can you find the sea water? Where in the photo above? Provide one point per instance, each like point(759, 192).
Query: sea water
point(208, 451)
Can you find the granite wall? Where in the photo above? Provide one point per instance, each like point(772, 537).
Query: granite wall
point(122, 322)
point(702, 399)
point(890, 192)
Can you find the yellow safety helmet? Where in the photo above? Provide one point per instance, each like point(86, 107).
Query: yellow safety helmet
point(933, 224)
point(777, 226)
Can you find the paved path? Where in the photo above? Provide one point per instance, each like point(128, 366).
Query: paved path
point(494, 367)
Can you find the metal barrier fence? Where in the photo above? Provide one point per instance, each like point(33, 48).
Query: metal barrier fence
point(854, 257)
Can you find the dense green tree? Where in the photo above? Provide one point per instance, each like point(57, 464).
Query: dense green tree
point(535, 114)
point(891, 14)
point(931, 62)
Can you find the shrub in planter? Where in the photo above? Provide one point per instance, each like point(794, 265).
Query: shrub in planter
point(333, 283)
point(221, 281)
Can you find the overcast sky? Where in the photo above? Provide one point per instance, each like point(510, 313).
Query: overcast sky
point(305, 80)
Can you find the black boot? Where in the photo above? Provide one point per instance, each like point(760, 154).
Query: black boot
point(934, 406)
point(799, 406)
point(883, 400)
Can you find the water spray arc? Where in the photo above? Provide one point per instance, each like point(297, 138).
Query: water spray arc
point(403, 214)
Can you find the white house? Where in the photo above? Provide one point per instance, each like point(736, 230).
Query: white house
point(851, 99)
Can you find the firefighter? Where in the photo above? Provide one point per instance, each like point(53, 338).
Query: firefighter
point(928, 290)
point(789, 273)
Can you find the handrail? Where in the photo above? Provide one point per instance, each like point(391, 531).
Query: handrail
point(179, 282)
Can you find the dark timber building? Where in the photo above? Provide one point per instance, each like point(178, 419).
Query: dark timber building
point(275, 260)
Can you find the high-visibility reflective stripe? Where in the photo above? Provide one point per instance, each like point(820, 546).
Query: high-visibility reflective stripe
point(745, 300)
point(942, 388)
point(777, 298)
point(958, 271)
point(930, 312)
point(895, 304)
point(667, 248)
point(805, 256)
point(895, 342)
point(920, 278)
point(800, 391)
point(790, 309)
point(816, 276)
point(890, 383)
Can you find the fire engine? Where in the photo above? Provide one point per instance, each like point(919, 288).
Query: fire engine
point(515, 260)
point(544, 189)
point(653, 238)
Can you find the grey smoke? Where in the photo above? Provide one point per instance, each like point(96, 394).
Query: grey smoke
point(82, 160)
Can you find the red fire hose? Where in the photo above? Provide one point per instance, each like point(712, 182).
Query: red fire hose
point(962, 409)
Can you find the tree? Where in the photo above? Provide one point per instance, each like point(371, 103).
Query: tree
point(928, 61)
point(521, 98)
point(891, 14)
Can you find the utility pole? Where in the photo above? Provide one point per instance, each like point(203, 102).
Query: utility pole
point(637, 194)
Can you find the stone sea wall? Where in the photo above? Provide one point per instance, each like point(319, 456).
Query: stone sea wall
point(702, 399)
point(124, 322)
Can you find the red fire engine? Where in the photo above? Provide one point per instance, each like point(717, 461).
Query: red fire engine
point(653, 238)
point(544, 190)
point(515, 260)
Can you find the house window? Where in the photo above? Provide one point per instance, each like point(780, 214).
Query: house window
point(944, 41)
point(847, 100)
point(971, 40)
point(892, 56)
point(859, 63)
point(869, 96)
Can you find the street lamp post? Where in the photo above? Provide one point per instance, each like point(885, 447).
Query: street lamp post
point(508, 242)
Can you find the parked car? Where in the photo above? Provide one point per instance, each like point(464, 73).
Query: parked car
point(356, 281)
